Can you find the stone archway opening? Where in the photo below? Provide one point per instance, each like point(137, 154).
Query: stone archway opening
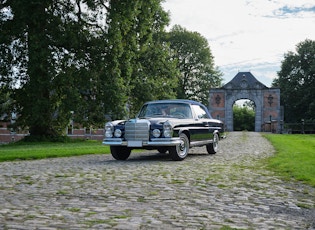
point(244, 114)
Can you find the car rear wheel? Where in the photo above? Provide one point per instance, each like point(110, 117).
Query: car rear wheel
point(180, 151)
point(120, 152)
point(213, 147)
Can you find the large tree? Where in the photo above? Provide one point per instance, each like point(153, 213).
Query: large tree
point(46, 51)
point(155, 74)
point(296, 80)
point(140, 65)
point(80, 59)
point(156, 78)
point(196, 64)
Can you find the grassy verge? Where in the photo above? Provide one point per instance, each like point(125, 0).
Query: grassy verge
point(295, 156)
point(28, 151)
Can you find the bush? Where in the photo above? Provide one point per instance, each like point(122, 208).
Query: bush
point(244, 118)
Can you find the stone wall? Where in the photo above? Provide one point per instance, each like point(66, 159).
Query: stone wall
point(7, 135)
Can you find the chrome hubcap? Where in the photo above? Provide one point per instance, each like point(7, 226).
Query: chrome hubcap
point(182, 146)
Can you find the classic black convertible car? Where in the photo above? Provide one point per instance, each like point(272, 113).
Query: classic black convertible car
point(171, 126)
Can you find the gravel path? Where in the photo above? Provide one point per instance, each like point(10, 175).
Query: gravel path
point(149, 191)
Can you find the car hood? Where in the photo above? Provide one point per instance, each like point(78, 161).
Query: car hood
point(152, 120)
point(157, 120)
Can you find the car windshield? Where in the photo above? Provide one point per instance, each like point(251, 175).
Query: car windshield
point(178, 110)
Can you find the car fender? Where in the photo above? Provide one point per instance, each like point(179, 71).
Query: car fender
point(186, 131)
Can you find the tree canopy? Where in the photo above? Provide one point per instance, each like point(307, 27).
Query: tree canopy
point(82, 60)
point(47, 51)
point(196, 64)
point(137, 55)
point(296, 80)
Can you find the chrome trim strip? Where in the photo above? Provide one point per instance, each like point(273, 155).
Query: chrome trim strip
point(154, 142)
point(200, 143)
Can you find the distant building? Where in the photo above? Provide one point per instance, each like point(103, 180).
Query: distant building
point(268, 112)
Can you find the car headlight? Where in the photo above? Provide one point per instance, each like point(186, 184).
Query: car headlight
point(117, 133)
point(167, 129)
point(109, 129)
point(156, 133)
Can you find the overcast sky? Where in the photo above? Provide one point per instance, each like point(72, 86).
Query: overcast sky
point(247, 35)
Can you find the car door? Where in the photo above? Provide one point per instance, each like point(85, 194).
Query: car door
point(203, 128)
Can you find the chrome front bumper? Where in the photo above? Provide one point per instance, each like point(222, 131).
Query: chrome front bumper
point(153, 142)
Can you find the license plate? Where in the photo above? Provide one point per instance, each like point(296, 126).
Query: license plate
point(134, 143)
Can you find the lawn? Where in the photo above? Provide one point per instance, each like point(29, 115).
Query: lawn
point(28, 151)
point(295, 156)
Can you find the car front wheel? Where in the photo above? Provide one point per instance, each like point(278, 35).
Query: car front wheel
point(213, 147)
point(180, 151)
point(120, 152)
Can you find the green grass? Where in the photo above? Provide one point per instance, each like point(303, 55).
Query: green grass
point(295, 156)
point(35, 150)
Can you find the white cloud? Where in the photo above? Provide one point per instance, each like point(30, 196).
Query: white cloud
point(245, 35)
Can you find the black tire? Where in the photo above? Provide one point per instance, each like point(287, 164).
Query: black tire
point(120, 152)
point(179, 152)
point(162, 150)
point(213, 147)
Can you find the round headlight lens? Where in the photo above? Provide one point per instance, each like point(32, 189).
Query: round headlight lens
point(156, 133)
point(117, 133)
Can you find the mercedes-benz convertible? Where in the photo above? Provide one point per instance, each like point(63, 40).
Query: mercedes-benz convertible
point(168, 126)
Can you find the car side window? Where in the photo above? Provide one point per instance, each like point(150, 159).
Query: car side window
point(200, 112)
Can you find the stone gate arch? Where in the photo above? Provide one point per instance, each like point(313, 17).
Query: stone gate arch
point(268, 114)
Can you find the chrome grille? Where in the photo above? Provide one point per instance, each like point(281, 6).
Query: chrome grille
point(137, 130)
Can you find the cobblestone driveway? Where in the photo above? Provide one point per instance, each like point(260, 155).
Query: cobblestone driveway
point(149, 191)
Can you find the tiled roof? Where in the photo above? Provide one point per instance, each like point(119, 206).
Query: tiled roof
point(244, 80)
